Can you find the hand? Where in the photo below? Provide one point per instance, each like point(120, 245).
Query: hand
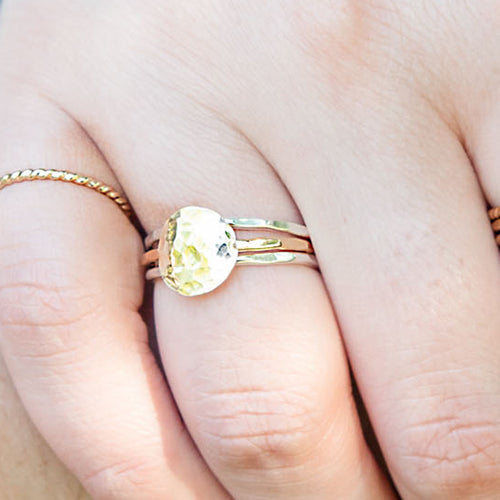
point(377, 123)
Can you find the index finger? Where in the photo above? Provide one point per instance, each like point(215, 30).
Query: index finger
point(70, 331)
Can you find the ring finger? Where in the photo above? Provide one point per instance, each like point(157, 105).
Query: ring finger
point(257, 367)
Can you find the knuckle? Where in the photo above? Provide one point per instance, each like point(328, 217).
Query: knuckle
point(257, 429)
point(119, 480)
point(351, 34)
point(453, 455)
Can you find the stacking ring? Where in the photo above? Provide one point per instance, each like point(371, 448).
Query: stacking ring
point(44, 174)
point(494, 215)
point(196, 249)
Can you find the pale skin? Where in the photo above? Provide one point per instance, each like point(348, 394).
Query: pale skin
point(376, 123)
point(28, 467)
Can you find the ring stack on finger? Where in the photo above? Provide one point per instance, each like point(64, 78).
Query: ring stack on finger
point(494, 215)
point(196, 249)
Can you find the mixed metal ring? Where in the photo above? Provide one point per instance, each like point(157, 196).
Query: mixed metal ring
point(196, 249)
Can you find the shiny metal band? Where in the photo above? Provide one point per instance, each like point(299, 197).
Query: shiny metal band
point(195, 250)
point(41, 174)
point(494, 215)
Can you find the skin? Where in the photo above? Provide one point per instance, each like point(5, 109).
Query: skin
point(376, 123)
point(26, 455)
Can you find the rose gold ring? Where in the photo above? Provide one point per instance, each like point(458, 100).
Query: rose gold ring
point(196, 249)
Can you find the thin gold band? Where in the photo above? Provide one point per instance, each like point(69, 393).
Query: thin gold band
point(256, 245)
point(494, 215)
point(41, 174)
point(255, 251)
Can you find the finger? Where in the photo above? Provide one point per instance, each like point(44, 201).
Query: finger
point(401, 231)
point(482, 126)
point(257, 367)
point(26, 455)
point(71, 335)
point(481, 121)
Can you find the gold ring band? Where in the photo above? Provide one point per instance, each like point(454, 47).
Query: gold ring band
point(494, 215)
point(41, 174)
point(196, 249)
